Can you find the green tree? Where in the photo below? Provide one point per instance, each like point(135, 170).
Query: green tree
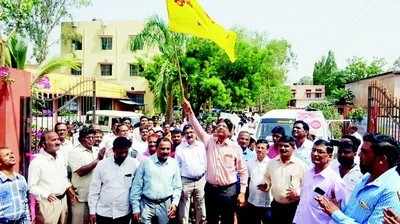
point(359, 68)
point(36, 19)
point(163, 77)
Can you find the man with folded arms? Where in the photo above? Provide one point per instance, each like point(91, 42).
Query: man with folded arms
point(157, 187)
point(192, 161)
point(109, 189)
point(48, 181)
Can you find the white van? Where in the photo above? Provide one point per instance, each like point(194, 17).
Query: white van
point(105, 118)
point(286, 118)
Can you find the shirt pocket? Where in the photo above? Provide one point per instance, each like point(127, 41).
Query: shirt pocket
point(5, 201)
point(128, 177)
point(229, 161)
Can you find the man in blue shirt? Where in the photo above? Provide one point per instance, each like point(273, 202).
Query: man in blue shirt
point(13, 191)
point(157, 187)
point(379, 188)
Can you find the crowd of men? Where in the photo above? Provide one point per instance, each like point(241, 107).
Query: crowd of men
point(187, 174)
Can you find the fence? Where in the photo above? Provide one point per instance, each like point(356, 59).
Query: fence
point(383, 111)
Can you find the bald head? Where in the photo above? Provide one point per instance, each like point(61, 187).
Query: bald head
point(7, 158)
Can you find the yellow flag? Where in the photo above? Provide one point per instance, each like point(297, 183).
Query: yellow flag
point(187, 16)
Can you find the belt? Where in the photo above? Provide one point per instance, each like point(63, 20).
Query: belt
point(18, 221)
point(195, 178)
point(61, 196)
point(157, 201)
point(221, 186)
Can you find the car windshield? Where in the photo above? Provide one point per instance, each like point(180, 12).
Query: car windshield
point(267, 124)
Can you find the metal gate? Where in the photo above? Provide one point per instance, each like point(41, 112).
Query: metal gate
point(69, 106)
point(383, 111)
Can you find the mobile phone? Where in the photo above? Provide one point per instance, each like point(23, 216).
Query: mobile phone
point(319, 191)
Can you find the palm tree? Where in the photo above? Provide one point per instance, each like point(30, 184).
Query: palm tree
point(172, 46)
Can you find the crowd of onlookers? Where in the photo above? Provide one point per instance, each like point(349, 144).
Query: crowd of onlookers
point(187, 173)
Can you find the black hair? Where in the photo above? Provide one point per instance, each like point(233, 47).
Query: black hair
point(164, 139)
point(58, 124)
point(227, 122)
point(120, 125)
point(288, 139)
point(262, 141)
point(187, 126)
point(305, 125)
point(85, 131)
point(355, 142)
point(384, 145)
point(121, 143)
point(176, 131)
point(278, 130)
point(327, 144)
point(142, 117)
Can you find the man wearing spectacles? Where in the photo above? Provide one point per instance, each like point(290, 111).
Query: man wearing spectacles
point(225, 168)
point(82, 160)
point(321, 179)
point(192, 161)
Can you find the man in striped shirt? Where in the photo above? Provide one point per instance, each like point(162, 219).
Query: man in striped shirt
point(225, 163)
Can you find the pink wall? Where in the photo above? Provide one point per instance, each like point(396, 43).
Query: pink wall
point(10, 110)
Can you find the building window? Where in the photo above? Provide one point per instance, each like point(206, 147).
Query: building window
point(318, 95)
point(135, 69)
point(106, 43)
point(308, 93)
point(138, 98)
point(105, 104)
point(77, 71)
point(76, 44)
point(106, 69)
point(293, 93)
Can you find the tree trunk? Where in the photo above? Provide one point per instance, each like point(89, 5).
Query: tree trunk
point(170, 108)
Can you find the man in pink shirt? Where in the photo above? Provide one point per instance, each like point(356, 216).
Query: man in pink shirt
point(277, 133)
point(321, 179)
point(225, 164)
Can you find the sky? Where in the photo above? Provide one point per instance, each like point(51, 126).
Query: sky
point(364, 28)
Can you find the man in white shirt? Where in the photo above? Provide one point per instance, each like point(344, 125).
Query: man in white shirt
point(192, 161)
point(303, 145)
point(82, 160)
point(139, 146)
point(110, 186)
point(345, 165)
point(259, 201)
point(48, 182)
point(66, 145)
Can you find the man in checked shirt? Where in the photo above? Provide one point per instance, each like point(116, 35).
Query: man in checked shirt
point(225, 163)
point(13, 191)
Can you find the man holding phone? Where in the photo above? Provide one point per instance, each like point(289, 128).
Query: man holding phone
point(321, 179)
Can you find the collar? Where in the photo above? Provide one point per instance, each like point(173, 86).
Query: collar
point(47, 155)
point(325, 173)
point(154, 158)
point(247, 150)
point(292, 159)
point(226, 142)
point(4, 178)
point(381, 180)
point(83, 148)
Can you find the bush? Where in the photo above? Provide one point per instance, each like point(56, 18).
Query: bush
point(357, 114)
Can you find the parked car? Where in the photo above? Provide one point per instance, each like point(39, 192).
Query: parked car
point(286, 117)
point(105, 118)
